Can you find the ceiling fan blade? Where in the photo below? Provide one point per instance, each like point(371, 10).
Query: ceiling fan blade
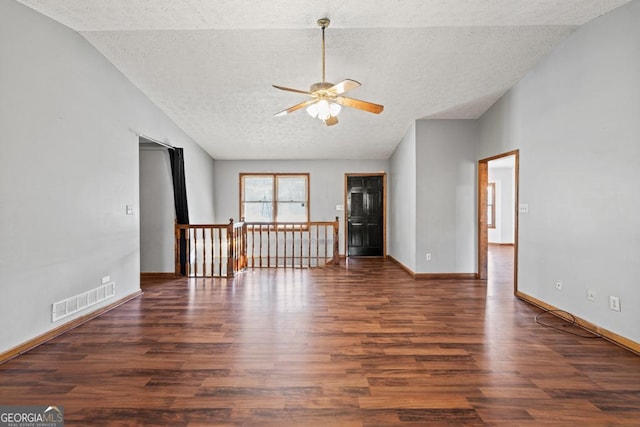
point(343, 86)
point(295, 107)
point(288, 89)
point(360, 105)
point(331, 121)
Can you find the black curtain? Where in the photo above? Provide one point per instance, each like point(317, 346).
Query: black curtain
point(176, 157)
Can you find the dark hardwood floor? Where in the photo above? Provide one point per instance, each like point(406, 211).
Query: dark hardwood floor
point(356, 345)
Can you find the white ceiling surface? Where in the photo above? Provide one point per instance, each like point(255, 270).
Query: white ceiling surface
point(209, 65)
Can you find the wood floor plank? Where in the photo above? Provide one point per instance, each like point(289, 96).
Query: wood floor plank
point(360, 344)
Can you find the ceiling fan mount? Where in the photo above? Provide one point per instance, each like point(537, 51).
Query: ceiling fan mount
point(326, 98)
point(316, 87)
point(323, 22)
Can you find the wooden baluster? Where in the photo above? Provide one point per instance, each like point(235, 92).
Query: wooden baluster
point(234, 244)
point(212, 260)
point(336, 245)
point(213, 251)
point(217, 261)
point(194, 253)
point(253, 246)
point(220, 254)
point(259, 239)
point(317, 245)
point(187, 265)
point(244, 244)
point(286, 229)
point(238, 232)
point(276, 240)
point(268, 246)
point(204, 253)
point(236, 250)
point(260, 246)
point(326, 242)
point(205, 261)
point(253, 230)
point(230, 248)
point(309, 244)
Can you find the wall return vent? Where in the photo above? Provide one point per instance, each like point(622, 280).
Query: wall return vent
point(74, 304)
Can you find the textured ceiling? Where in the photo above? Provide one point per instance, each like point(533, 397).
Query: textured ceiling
point(209, 65)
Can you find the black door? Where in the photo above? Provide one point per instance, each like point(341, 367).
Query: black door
point(365, 216)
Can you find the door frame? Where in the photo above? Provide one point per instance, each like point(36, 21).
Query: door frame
point(483, 230)
point(384, 209)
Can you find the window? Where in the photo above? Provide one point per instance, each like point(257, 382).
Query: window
point(491, 205)
point(276, 197)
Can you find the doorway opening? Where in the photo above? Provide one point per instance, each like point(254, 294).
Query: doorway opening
point(365, 225)
point(157, 209)
point(498, 220)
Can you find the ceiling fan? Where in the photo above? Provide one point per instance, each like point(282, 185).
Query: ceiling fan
point(326, 98)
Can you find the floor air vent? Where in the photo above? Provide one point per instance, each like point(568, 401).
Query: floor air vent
point(74, 304)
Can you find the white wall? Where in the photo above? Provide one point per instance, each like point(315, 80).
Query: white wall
point(504, 231)
point(200, 182)
point(157, 210)
point(446, 196)
point(402, 201)
point(575, 120)
point(68, 128)
point(327, 184)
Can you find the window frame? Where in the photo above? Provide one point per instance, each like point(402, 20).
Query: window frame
point(491, 219)
point(275, 201)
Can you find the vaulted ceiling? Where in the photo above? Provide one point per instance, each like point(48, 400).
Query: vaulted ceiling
point(209, 65)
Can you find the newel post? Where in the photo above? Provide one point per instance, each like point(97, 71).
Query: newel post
point(243, 243)
point(230, 253)
point(177, 249)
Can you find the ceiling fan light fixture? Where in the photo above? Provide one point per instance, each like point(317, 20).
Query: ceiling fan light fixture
point(313, 110)
point(334, 109)
point(324, 109)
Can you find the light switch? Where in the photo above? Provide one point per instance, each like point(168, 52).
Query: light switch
point(523, 208)
point(129, 210)
point(339, 207)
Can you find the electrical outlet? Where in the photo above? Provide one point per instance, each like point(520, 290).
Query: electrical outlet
point(591, 295)
point(558, 285)
point(428, 257)
point(614, 303)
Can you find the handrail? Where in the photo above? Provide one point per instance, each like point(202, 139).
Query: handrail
point(222, 250)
